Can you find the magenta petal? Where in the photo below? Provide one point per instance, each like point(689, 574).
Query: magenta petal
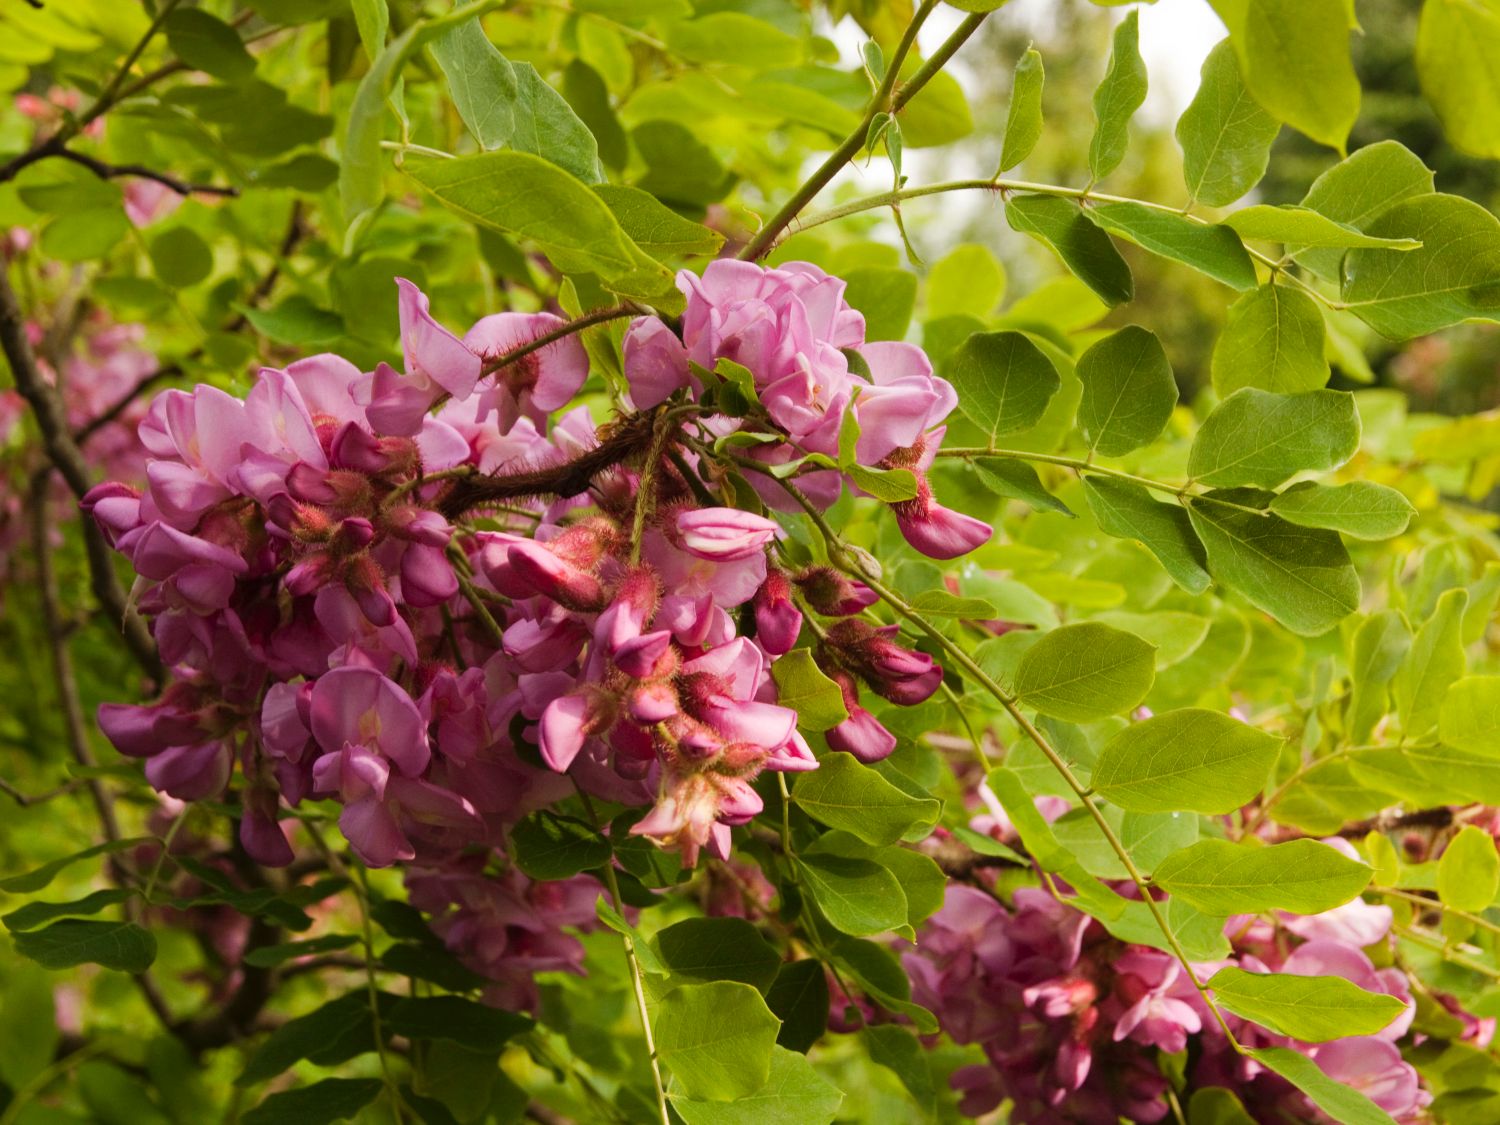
point(431, 351)
point(373, 833)
point(563, 730)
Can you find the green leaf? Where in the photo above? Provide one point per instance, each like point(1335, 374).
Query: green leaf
point(1125, 510)
point(858, 896)
point(1470, 715)
point(360, 164)
point(1302, 876)
point(1259, 438)
point(35, 914)
point(115, 945)
point(1189, 759)
point(482, 81)
point(888, 485)
point(1313, 1009)
point(731, 37)
point(1342, 1103)
point(1452, 278)
point(842, 793)
point(1294, 55)
point(655, 227)
point(1003, 380)
point(269, 956)
point(1210, 249)
point(707, 949)
point(333, 1033)
point(1085, 672)
point(1304, 227)
point(1360, 509)
point(1380, 643)
point(547, 845)
point(967, 281)
point(1128, 391)
point(306, 171)
point(453, 1019)
point(799, 998)
point(1023, 121)
point(546, 126)
point(1083, 247)
point(1358, 190)
point(802, 686)
point(1468, 871)
point(1225, 135)
point(794, 1094)
point(39, 878)
point(527, 197)
point(296, 321)
point(1014, 478)
point(1175, 633)
point(898, 1050)
point(1301, 576)
point(1457, 43)
point(1117, 98)
point(717, 1039)
point(332, 1099)
point(207, 43)
point(179, 257)
point(80, 236)
point(1272, 340)
point(29, 1033)
point(940, 603)
point(886, 296)
point(922, 880)
point(1435, 660)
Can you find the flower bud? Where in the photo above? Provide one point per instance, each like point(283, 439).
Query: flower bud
point(778, 621)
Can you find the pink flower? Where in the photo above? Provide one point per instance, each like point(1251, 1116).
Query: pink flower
point(936, 531)
point(536, 384)
point(1376, 1069)
point(724, 534)
point(656, 363)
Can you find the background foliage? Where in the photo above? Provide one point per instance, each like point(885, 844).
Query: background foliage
point(1291, 519)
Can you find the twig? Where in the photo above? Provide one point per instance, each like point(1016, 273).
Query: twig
point(561, 332)
point(26, 800)
point(106, 171)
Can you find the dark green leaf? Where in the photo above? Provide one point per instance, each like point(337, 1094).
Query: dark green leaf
point(1128, 391)
point(333, 1099)
point(547, 845)
point(268, 956)
point(1003, 380)
point(35, 914)
point(857, 896)
point(1358, 190)
point(207, 43)
point(802, 686)
point(799, 999)
point(1301, 576)
point(453, 1019)
point(1017, 480)
point(115, 945)
point(1126, 510)
point(898, 1050)
point(707, 949)
point(337, 1031)
point(1083, 247)
point(1211, 249)
point(179, 257)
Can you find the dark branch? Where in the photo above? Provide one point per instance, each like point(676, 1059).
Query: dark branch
point(107, 171)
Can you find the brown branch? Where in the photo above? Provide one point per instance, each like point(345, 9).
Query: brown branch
point(64, 455)
point(562, 331)
point(106, 171)
point(113, 411)
point(619, 442)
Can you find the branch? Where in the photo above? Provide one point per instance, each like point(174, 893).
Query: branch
point(65, 456)
point(888, 99)
point(107, 171)
point(562, 331)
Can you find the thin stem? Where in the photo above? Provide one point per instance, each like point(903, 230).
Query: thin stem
point(367, 935)
point(645, 497)
point(561, 332)
point(1441, 907)
point(885, 100)
point(1417, 937)
point(1077, 464)
point(45, 1077)
point(471, 595)
point(894, 198)
point(638, 985)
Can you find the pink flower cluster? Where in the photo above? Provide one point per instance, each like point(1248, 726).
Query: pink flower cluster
point(343, 619)
point(815, 374)
point(1071, 1020)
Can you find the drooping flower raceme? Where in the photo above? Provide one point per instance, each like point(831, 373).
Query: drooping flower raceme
point(337, 621)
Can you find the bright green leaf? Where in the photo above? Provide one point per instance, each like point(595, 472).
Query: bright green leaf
point(1302, 876)
point(1128, 391)
point(1436, 659)
point(1003, 380)
point(1023, 120)
point(802, 686)
point(1117, 98)
point(1255, 437)
point(482, 81)
point(1192, 759)
point(1086, 671)
point(794, 1094)
point(716, 1038)
point(1014, 478)
point(1313, 1009)
point(858, 896)
point(1360, 509)
point(1470, 715)
point(1210, 249)
point(1457, 43)
point(1468, 871)
point(1273, 340)
point(1225, 135)
point(967, 281)
point(1341, 1102)
point(842, 793)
